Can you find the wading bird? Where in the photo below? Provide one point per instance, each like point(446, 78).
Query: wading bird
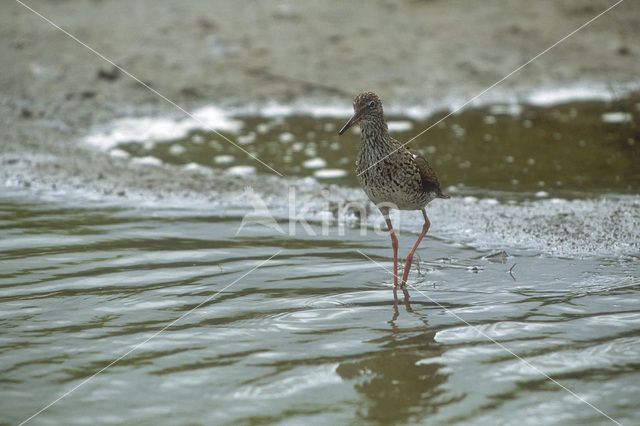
point(392, 175)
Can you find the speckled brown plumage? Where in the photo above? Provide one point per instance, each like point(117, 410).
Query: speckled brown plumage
point(392, 175)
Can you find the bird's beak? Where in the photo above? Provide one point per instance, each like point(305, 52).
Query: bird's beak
point(353, 120)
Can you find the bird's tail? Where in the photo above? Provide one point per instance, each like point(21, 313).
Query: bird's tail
point(443, 195)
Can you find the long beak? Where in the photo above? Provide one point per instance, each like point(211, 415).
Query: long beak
point(353, 120)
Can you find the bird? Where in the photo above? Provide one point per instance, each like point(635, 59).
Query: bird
point(392, 175)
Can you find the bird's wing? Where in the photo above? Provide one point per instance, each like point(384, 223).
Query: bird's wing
point(430, 182)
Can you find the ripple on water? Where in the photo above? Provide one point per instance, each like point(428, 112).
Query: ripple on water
point(309, 319)
point(611, 355)
point(295, 381)
point(498, 331)
point(81, 286)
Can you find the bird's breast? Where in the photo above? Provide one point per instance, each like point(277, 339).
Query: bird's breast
point(392, 178)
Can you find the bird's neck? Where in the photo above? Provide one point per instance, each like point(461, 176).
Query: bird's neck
point(375, 135)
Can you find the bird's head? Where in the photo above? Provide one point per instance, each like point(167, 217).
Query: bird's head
point(366, 108)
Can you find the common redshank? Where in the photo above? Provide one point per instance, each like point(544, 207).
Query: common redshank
point(392, 175)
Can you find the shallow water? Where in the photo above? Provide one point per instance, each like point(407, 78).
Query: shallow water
point(524, 306)
point(589, 146)
point(312, 335)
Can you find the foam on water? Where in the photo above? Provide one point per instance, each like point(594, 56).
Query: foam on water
point(399, 125)
point(152, 129)
point(330, 173)
point(147, 160)
point(548, 97)
point(603, 226)
point(617, 117)
point(314, 163)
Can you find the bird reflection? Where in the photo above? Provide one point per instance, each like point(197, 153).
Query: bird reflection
point(397, 384)
point(405, 301)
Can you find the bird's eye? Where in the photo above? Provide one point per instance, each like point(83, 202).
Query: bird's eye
point(372, 104)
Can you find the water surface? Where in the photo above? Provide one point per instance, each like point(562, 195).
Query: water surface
point(311, 336)
point(587, 146)
point(524, 305)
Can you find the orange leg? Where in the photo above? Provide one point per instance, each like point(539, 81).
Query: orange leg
point(394, 244)
point(407, 266)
